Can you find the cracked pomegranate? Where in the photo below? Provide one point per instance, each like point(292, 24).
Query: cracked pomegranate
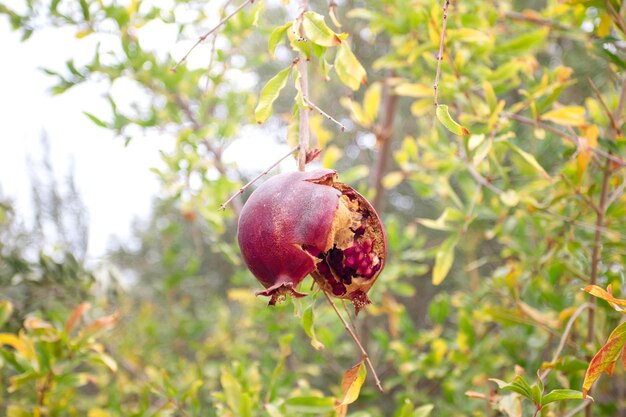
point(302, 223)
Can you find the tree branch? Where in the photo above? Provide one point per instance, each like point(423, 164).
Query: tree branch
point(356, 341)
point(446, 3)
point(206, 35)
point(304, 130)
point(384, 138)
point(567, 136)
point(255, 179)
point(566, 332)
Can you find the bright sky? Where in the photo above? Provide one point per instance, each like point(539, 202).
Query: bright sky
point(115, 181)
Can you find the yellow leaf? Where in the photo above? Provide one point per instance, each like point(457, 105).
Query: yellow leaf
point(566, 116)
point(98, 412)
point(352, 382)
point(587, 142)
point(421, 107)
point(414, 90)
point(317, 129)
point(444, 259)
point(604, 28)
point(331, 156)
point(469, 35)
point(371, 102)
point(392, 179)
point(348, 67)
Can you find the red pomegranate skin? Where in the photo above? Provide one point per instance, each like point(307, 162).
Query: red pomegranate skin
point(284, 214)
point(302, 223)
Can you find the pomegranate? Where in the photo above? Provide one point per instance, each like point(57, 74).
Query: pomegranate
point(302, 223)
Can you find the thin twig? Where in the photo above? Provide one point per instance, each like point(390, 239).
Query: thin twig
point(304, 130)
point(611, 116)
point(206, 35)
point(566, 332)
point(617, 193)
point(602, 205)
point(446, 3)
point(585, 197)
point(352, 323)
point(323, 113)
point(538, 21)
point(474, 172)
point(255, 179)
point(578, 409)
point(567, 136)
point(356, 341)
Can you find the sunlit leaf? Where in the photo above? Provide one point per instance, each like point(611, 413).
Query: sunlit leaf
point(616, 303)
point(269, 94)
point(316, 30)
point(352, 382)
point(371, 101)
point(393, 179)
point(277, 36)
point(423, 411)
point(566, 116)
point(560, 395)
point(348, 67)
point(414, 90)
point(605, 358)
point(444, 117)
point(444, 259)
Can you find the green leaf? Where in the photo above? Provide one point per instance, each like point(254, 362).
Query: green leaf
point(316, 30)
point(444, 259)
point(277, 36)
point(524, 42)
point(310, 405)
point(6, 309)
point(444, 117)
point(560, 395)
point(269, 94)
point(536, 393)
point(97, 121)
point(519, 385)
point(530, 159)
point(348, 67)
point(84, 7)
point(423, 411)
point(307, 323)
point(606, 357)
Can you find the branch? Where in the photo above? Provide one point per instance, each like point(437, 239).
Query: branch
point(323, 113)
point(255, 179)
point(566, 332)
point(384, 136)
point(356, 341)
point(474, 172)
point(206, 35)
point(304, 130)
point(569, 137)
point(602, 205)
point(538, 21)
point(610, 115)
point(446, 3)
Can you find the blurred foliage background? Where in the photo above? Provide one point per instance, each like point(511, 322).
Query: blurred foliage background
point(491, 235)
